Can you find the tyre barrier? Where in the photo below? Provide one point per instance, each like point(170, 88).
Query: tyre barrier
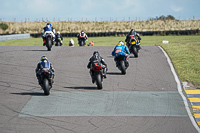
point(143, 33)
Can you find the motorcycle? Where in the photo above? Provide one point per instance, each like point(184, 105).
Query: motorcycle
point(133, 47)
point(81, 40)
point(97, 72)
point(46, 80)
point(58, 42)
point(49, 41)
point(122, 63)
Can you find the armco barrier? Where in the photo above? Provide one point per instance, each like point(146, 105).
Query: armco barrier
point(144, 33)
point(14, 37)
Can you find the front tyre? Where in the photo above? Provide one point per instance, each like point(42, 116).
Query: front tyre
point(58, 43)
point(81, 43)
point(46, 86)
point(98, 81)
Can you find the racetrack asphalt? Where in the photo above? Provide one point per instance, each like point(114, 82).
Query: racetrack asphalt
point(145, 100)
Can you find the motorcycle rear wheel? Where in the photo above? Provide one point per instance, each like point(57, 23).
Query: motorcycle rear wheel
point(98, 81)
point(49, 45)
point(46, 87)
point(123, 68)
point(135, 51)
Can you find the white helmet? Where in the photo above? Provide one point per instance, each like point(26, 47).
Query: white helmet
point(121, 43)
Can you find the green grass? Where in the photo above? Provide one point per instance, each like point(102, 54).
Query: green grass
point(184, 51)
point(186, 60)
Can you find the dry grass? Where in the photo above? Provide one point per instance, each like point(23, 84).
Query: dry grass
point(113, 26)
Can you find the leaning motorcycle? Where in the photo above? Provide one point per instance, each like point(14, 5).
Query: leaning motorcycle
point(97, 75)
point(122, 63)
point(49, 41)
point(58, 42)
point(133, 47)
point(46, 80)
point(81, 40)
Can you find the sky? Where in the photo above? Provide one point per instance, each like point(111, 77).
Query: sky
point(97, 10)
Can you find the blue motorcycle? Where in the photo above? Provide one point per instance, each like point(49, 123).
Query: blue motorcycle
point(46, 80)
point(122, 63)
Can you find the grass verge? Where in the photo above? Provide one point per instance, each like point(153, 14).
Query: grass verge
point(184, 51)
point(185, 57)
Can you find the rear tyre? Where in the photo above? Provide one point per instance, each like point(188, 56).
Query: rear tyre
point(49, 44)
point(135, 51)
point(99, 81)
point(123, 68)
point(46, 86)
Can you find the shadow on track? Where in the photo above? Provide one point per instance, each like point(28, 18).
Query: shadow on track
point(83, 88)
point(30, 93)
point(132, 56)
point(110, 56)
point(34, 50)
point(114, 73)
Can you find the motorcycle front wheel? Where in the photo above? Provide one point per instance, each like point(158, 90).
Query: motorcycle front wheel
point(81, 43)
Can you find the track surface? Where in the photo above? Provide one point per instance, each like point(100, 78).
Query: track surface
point(153, 104)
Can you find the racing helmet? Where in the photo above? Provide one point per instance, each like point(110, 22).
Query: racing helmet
point(120, 43)
point(58, 32)
point(132, 32)
point(96, 53)
point(43, 58)
point(48, 24)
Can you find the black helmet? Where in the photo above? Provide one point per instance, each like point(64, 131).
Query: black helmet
point(48, 24)
point(96, 53)
point(132, 32)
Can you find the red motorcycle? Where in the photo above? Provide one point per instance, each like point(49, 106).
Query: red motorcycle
point(97, 72)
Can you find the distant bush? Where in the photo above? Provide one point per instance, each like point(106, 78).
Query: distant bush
point(3, 26)
point(169, 17)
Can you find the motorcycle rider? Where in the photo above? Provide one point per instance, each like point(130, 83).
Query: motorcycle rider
point(82, 33)
point(120, 49)
point(48, 29)
point(58, 35)
point(44, 63)
point(136, 35)
point(96, 59)
point(71, 42)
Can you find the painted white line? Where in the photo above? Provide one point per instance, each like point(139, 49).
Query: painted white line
point(180, 91)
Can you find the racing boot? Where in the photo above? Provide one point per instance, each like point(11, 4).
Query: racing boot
point(104, 73)
point(52, 80)
point(44, 42)
point(92, 76)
